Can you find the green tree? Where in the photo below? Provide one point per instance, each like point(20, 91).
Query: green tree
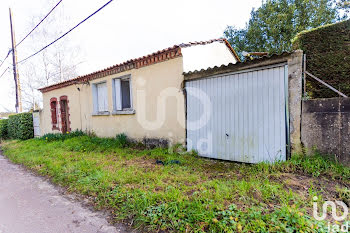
point(344, 5)
point(273, 25)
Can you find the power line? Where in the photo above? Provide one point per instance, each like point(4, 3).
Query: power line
point(65, 33)
point(6, 57)
point(4, 72)
point(39, 23)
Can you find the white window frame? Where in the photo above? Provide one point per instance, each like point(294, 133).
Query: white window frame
point(117, 96)
point(96, 110)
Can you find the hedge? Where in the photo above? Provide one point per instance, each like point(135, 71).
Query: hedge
point(327, 57)
point(20, 126)
point(3, 129)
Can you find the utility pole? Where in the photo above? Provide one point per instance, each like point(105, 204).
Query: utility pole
point(15, 70)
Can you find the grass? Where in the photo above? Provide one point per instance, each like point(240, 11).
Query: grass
point(184, 193)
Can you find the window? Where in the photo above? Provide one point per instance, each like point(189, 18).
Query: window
point(54, 112)
point(122, 94)
point(100, 97)
point(53, 108)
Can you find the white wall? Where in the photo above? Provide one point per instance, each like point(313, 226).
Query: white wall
point(199, 57)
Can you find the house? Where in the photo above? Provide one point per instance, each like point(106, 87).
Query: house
point(142, 97)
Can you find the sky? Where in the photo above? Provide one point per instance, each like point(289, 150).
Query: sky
point(123, 30)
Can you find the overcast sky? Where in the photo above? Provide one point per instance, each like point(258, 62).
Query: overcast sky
point(124, 29)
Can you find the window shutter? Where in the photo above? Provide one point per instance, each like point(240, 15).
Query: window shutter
point(53, 113)
point(105, 97)
point(95, 98)
point(101, 97)
point(118, 99)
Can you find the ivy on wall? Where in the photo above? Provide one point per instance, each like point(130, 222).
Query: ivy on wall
point(327, 50)
point(20, 126)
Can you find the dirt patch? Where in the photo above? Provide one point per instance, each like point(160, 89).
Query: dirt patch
point(304, 185)
point(217, 169)
point(141, 162)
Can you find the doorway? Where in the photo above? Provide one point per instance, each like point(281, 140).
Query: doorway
point(64, 114)
point(247, 118)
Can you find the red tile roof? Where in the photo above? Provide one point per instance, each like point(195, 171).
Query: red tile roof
point(159, 56)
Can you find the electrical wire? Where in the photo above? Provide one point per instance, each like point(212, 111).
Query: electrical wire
point(6, 57)
point(4, 72)
point(45, 47)
point(39, 23)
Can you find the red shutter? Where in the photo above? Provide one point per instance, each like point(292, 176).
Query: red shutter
point(54, 112)
point(53, 105)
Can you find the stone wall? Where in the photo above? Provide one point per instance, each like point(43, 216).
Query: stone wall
point(325, 127)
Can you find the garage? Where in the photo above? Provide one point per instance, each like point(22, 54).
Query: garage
point(241, 115)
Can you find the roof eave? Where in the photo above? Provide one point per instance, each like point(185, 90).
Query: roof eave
point(239, 66)
point(157, 57)
point(232, 50)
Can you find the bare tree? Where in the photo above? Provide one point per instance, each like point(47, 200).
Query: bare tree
point(55, 64)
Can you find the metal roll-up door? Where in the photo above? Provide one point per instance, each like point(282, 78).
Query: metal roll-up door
point(239, 116)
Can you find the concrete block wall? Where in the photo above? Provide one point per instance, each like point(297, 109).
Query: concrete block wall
point(325, 127)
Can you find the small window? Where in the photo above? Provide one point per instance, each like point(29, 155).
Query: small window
point(122, 94)
point(53, 108)
point(100, 97)
point(54, 112)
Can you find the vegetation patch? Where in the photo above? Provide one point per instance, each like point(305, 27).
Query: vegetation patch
point(327, 57)
point(3, 128)
point(192, 194)
point(20, 126)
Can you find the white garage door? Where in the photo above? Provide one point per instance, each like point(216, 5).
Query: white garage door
point(239, 116)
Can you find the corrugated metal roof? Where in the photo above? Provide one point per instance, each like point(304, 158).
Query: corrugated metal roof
point(239, 64)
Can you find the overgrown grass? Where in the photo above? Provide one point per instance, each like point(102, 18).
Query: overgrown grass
point(191, 195)
point(61, 137)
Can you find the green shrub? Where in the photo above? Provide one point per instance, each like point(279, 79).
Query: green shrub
point(80, 141)
point(3, 129)
point(122, 139)
point(327, 57)
point(20, 126)
point(50, 137)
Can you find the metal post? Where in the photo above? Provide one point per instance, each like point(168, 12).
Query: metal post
point(304, 67)
point(326, 84)
point(15, 70)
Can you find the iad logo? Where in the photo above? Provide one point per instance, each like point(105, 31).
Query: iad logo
point(334, 210)
point(335, 227)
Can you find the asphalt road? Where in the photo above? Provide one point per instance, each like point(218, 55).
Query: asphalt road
point(30, 204)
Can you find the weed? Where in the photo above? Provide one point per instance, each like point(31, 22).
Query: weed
point(192, 194)
point(344, 194)
point(61, 137)
point(122, 140)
